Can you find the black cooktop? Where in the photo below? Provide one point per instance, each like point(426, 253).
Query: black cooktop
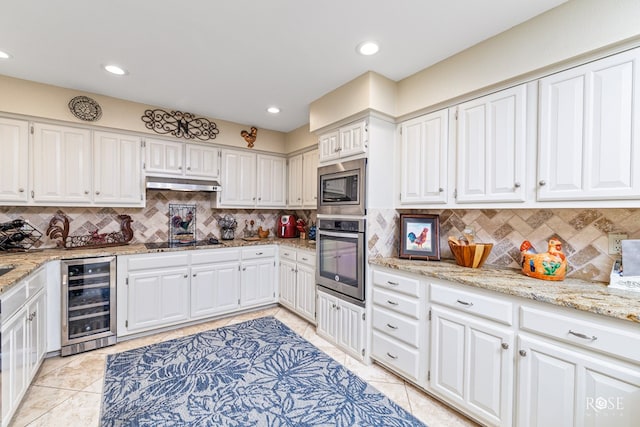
point(199, 243)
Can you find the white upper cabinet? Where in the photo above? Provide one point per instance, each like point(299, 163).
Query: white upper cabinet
point(424, 159)
point(348, 141)
point(202, 161)
point(491, 147)
point(117, 170)
point(294, 197)
point(310, 179)
point(238, 178)
point(272, 181)
point(163, 157)
point(14, 161)
point(62, 165)
point(589, 142)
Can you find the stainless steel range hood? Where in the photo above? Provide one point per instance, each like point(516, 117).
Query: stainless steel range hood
point(182, 184)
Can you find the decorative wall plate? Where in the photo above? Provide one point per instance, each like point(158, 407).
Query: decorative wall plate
point(85, 108)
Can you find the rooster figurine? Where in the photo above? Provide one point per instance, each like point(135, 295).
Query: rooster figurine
point(250, 137)
point(550, 265)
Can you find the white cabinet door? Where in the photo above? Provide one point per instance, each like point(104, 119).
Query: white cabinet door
point(424, 164)
point(14, 161)
point(36, 333)
point(214, 289)
point(310, 179)
point(329, 146)
point(306, 292)
point(117, 169)
point(472, 365)
point(164, 157)
point(287, 284)
point(238, 178)
point(327, 318)
point(62, 165)
point(558, 386)
point(353, 139)
point(590, 131)
point(14, 363)
point(202, 161)
point(157, 298)
point(351, 328)
point(296, 177)
point(258, 282)
point(272, 181)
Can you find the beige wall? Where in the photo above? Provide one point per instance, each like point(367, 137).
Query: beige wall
point(50, 102)
point(300, 139)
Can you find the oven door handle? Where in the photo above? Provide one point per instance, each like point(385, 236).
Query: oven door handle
point(339, 234)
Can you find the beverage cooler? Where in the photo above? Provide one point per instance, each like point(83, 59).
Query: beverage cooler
point(88, 304)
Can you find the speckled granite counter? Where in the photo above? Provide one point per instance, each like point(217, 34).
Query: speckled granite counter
point(27, 262)
point(587, 296)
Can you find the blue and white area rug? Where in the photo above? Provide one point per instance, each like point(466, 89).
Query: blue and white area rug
point(256, 373)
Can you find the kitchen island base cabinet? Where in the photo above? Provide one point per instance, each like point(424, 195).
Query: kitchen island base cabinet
point(342, 323)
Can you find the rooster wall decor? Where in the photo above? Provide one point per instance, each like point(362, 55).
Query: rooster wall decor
point(250, 137)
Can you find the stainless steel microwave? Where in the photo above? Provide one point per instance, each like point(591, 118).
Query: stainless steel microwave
point(342, 188)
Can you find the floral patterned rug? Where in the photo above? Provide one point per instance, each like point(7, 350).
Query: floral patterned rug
point(256, 373)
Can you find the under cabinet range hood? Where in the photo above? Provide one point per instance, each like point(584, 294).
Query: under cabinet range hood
point(182, 184)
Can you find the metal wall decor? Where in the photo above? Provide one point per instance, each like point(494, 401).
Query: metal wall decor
point(85, 108)
point(59, 229)
point(250, 137)
point(180, 125)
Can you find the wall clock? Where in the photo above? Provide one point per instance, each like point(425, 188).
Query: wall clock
point(85, 108)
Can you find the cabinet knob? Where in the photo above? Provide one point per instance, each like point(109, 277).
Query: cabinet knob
point(195, 274)
point(86, 191)
point(505, 346)
point(97, 193)
point(244, 268)
point(188, 168)
point(516, 185)
point(186, 275)
point(180, 167)
point(254, 198)
point(440, 190)
point(259, 198)
point(522, 353)
point(21, 190)
point(542, 183)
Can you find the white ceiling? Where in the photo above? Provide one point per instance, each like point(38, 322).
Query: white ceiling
point(232, 59)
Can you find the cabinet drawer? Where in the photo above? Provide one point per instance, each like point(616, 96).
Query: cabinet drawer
point(581, 332)
point(306, 257)
point(397, 283)
point(259, 252)
point(288, 253)
point(216, 255)
point(396, 326)
point(157, 261)
point(473, 303)
point(36, 282)
point(396, 355)
point(396, 302)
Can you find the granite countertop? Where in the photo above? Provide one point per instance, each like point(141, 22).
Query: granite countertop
point(27, 262)
point(573, 293)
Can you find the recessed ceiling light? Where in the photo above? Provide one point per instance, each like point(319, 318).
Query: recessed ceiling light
point(368, 48)
point(4, 55)
point(114, 69)
point(273, 110)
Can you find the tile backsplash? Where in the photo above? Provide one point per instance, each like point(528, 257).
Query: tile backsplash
point(583, 233)
point(150, 224)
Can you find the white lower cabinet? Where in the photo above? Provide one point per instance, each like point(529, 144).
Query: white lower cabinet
point(258, 282)
point(23, 339)
point(215, 289)
point(298, 282)
point(342, 323)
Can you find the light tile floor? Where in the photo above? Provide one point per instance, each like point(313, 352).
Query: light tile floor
point(67, 391)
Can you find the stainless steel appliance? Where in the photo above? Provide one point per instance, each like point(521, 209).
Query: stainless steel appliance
point(341, 188)
point(341, 258)
point(88, 304)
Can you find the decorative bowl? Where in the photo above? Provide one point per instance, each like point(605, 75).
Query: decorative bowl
point(472, 256)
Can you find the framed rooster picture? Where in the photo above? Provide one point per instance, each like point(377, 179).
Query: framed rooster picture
point(420, 236)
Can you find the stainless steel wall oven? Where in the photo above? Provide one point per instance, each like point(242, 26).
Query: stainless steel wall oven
point(341, 258)
point(88, 304)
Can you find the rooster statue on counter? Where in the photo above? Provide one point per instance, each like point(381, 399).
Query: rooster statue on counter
point(550, 265)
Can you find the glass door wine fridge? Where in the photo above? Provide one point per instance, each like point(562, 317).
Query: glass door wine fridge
point(88, 304)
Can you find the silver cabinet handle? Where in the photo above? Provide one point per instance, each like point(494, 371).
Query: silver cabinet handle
point(259, 253)
point(391, 326)
point(304, 259)
point(516, 185)
point(391, 356)
point(542, 183)
point(468, 304)
point(392, 302)
point(286, 253)
point(583, 336)
point(505, 346)
point(392, 283)
point(522, 353)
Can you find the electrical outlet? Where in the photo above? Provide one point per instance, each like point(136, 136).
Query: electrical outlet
point(615, 243)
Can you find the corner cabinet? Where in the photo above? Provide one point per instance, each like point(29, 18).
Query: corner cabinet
point(346, 142)
point(590, 131)
point(342, 323)
point(424, 157)
point(14, 162)
point(303, 180)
